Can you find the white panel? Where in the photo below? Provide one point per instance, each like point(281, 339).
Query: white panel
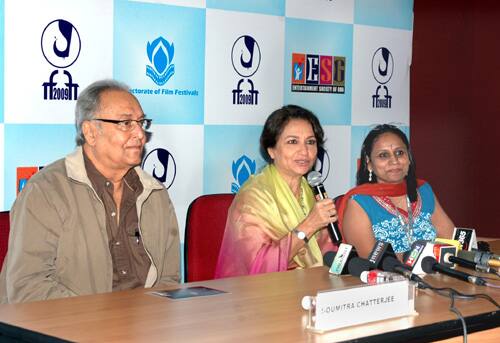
point(338, 146)
point(367, 40)
point(337, 11)
point(185, 145)
point(27, 68)
point(186, 3)
point(222, 30)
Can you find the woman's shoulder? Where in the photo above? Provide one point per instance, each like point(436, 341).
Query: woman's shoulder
point(361, 199)
point(256, 182)
point(257, 186)
point(425, 189)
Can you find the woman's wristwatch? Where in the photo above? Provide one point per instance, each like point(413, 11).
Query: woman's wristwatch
point(301, 235)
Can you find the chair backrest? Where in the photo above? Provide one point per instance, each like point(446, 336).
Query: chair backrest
point(205, 223)
point(4, 235)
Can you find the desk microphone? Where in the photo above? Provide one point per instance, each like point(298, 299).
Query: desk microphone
point(430, 265)
point(358, 265)
point(467, 264)
point(383, 257)
point(421, 249)
point(380, 251)
point(338, 261)
point(391, 264)
point(314, 180)
point(484, 259)
point(328, 258)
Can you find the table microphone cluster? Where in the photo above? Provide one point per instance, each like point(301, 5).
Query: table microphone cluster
point(423, 258)
point(382, 257)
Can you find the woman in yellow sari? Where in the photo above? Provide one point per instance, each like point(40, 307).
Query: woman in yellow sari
point(274, 223)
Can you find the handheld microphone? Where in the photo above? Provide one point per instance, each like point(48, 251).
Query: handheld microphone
point(430, 265)
point(484, 259)
point(314, 180)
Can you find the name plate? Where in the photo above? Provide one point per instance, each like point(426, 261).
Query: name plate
point(335, 309)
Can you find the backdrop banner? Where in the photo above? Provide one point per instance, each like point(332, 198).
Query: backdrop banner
point(208, 73)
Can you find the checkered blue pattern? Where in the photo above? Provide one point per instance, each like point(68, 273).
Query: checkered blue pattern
point(208, 73)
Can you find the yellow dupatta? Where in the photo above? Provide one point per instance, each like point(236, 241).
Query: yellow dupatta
point(269, 197)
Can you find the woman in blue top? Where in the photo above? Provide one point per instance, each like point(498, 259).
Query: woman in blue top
point(390, 204)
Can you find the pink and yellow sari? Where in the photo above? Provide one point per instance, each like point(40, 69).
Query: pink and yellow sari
point(259, 226)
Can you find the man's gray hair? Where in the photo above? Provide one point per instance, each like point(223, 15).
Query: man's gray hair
point(89, 101)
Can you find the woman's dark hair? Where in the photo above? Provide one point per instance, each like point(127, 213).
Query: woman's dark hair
point(277, 121)
point(362, 175)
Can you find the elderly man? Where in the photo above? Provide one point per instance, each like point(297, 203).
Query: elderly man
point(94, 221)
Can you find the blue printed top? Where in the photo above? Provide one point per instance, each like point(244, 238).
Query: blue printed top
point(387, 225)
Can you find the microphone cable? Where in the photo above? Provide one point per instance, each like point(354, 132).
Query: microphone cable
point(455, 310)
point(454, 294)
point(492, 285)
point(450, 293)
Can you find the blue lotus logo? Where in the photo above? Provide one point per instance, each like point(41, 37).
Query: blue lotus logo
point(160, 55)
point(242, 169)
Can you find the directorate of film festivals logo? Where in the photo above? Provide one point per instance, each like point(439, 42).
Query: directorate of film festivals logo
point(160, 54)
point(318, 73)
point(245, 57)
point(242, 168)
point(382, 69)
point(161, 165)
point(61, 45)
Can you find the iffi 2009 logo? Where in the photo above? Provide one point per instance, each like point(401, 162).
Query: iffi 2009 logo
point(61, 46)
point(160, 54)
point(161, 165)
point(382, 69)
point(242, 169)
point(245, 56)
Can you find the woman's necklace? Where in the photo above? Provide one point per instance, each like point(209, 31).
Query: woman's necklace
point(407, 226)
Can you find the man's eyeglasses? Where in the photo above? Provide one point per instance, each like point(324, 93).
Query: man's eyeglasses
point(128, 124)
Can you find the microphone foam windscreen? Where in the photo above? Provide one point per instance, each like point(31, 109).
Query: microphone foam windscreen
point(483, 246)
point(427, 263)
point(358, 265)
point(328, 258)
point(389, 263)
